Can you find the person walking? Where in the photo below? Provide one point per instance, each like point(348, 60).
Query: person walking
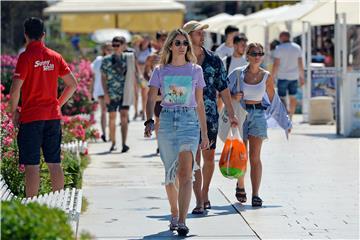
point(237, 59)
point(181, 83)
point(215, 79)
point(144, 52)
point(255, 82)
point(288, 67)
point(114, 69)
point(227, 48)
point(96, 85)
point(36, 76)
point(152, 61)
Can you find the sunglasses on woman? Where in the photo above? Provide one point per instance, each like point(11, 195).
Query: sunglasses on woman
point(255, 54)
point(185, 43)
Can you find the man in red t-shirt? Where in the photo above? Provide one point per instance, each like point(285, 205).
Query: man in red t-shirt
point(36, 75)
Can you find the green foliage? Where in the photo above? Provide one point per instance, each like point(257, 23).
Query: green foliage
point(33, 221)
point(12, 176)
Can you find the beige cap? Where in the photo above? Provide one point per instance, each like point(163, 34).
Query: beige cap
point(193, 26)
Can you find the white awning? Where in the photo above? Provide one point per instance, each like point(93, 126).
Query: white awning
point(112, 6)
point(324, 13)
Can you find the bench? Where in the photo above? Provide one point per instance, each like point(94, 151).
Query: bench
point(68, 200)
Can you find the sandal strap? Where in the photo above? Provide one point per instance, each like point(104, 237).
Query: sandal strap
point(257, 199)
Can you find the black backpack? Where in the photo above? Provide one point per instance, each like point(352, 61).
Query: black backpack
point(228, 62)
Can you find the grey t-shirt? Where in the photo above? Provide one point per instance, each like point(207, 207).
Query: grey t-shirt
point(288, 53)
point(235, 63)
point(224, 51)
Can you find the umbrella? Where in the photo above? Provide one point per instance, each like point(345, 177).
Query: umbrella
point(105, 35)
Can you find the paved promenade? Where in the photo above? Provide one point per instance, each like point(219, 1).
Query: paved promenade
point(310, 189)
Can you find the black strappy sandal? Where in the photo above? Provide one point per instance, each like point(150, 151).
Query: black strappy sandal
point(240, 194)
point(207, 205)
point(256, 201)
point(198, 210)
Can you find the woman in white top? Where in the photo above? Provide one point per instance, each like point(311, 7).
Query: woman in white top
point(255, 82)
point(96, 85)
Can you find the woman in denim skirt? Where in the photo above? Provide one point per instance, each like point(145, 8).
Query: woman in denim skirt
point(254, 83)
point(181, 83)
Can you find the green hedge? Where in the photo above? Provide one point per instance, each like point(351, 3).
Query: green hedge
point(33, 221)
point(72, 173)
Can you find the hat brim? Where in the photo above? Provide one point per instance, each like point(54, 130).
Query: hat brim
point(201, 27)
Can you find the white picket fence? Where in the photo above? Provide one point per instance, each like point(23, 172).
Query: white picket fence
point(77, 147)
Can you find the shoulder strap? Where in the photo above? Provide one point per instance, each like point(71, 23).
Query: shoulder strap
point(228, 62)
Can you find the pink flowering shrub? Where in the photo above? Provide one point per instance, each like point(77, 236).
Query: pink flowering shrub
point(8, 64)
point(79, 103)
point(78, 128)
point(81, 100)
point(9, 149)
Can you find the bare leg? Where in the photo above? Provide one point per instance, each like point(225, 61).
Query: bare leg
point(197, 184)
point(255, 163)
point(292, 106)
point(184, 175)
point(124, 116)
point(208, 170)
point(136, 97)
point(112, 127)
point(144, 93)
point(172, 194)
point(56, 175)
point(241, 180)
point(32, 180)
point(103, 115)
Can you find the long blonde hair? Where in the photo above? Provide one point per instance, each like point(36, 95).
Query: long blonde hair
point(166, 54)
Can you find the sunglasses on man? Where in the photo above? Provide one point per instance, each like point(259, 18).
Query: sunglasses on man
point(185, 43)
point(255, 54)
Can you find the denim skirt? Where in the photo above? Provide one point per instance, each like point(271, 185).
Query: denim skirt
point(179, 131)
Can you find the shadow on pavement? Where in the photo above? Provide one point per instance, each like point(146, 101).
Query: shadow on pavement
point(240, 207)
point(330, 136)
point(101, 153)
point(151, 155)
point(163, 235)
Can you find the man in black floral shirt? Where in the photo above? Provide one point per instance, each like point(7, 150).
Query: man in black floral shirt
point(215, 79)
point(113, 75)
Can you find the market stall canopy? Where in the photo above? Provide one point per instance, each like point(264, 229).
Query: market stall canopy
point(216, 23)
point(324, 13)
point(86, 16)
point(106, 35)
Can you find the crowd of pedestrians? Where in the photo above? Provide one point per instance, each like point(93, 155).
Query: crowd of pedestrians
point(180, 83)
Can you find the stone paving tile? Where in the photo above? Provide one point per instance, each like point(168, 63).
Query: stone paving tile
point(310, 188)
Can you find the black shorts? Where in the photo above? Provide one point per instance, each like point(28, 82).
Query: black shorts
point(212, 128)
point(116, 105)
point(39, 134)
point(157, 109)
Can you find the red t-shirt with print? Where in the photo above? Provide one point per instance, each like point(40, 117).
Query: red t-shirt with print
point(39, 67)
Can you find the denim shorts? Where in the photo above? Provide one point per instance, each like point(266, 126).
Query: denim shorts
point(179, 131)
point(255, 124)
point(284, 85)
point(39, 134)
